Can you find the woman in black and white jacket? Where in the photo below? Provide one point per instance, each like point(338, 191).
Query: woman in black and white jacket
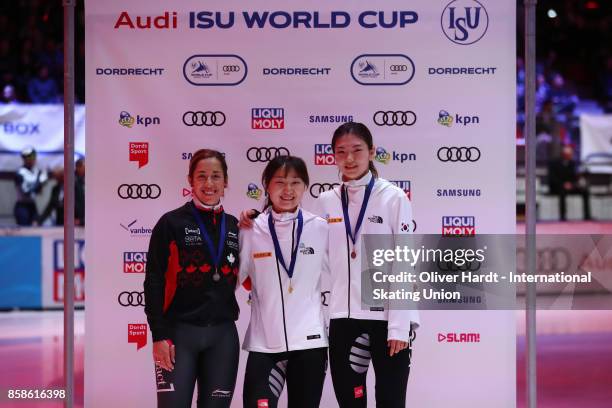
point(284, 257)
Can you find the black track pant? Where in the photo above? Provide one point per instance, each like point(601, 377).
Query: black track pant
point(352, 344)
point(206, 354)
point(265, 377)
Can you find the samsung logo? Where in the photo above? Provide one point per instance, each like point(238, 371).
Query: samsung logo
point(458, 192)
point(330, 118)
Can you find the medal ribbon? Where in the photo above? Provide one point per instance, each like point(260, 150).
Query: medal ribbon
point(364, 205)
point(216, 257)
point(277, 249)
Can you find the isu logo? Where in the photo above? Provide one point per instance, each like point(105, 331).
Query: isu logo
point(464, 22)
point(268, 118)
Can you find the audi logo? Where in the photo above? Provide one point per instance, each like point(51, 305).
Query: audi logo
point(449, 266)
point(131, 299)
point(398, 68)
point(265, 154)
point(231, 68)
point(317, 188)
point(548, 260)
point(207, 118)
point(136, 191)
point(395, 118)
point(459, 154)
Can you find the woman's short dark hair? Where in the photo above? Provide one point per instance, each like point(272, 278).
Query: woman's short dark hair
point(284, 162)
point(362, 132)
point(207, 154)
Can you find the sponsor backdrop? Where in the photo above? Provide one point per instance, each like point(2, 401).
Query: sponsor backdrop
point(434, 81)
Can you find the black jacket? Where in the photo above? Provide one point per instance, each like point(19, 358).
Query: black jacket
point(179, 281)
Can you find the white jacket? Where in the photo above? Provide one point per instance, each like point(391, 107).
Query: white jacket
point(388, 212)
point(283, 321)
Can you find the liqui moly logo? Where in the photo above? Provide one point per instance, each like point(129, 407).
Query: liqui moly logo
point(324, 155)
point(455, 225)
point(268, 118)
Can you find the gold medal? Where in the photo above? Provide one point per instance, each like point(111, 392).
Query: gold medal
point(290, 288)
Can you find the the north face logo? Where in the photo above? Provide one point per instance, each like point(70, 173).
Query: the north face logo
point(376, 219)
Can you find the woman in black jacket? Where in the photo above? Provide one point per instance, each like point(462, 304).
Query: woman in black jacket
point(191, 274)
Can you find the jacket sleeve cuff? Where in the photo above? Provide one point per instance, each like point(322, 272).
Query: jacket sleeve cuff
point(160, 334)
point(398, 334)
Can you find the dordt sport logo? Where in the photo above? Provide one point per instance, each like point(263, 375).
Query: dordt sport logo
point(215, 70)
point(464, 21)
point(139, 152)
point(382, 69)
point(267, 118)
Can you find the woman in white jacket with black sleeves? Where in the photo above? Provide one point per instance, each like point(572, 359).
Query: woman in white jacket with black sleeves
point(283, 258)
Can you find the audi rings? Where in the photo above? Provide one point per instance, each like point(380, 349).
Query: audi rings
point(395, 118)
point(231, 68)
point(398, 68)
point(139, 191)
point(131, 299)
point(450, 266)
point(548, 260)
point(458, 154)
point(208, 118)
point(265, 154)
point(317, 188)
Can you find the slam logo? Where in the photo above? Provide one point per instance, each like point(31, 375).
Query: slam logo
point(253, 191)
point(458, 226)
point(324, 155)
point(268, 118)
point(134, 262)
point(458, 337)
point(464, 22)
point(404, 185)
